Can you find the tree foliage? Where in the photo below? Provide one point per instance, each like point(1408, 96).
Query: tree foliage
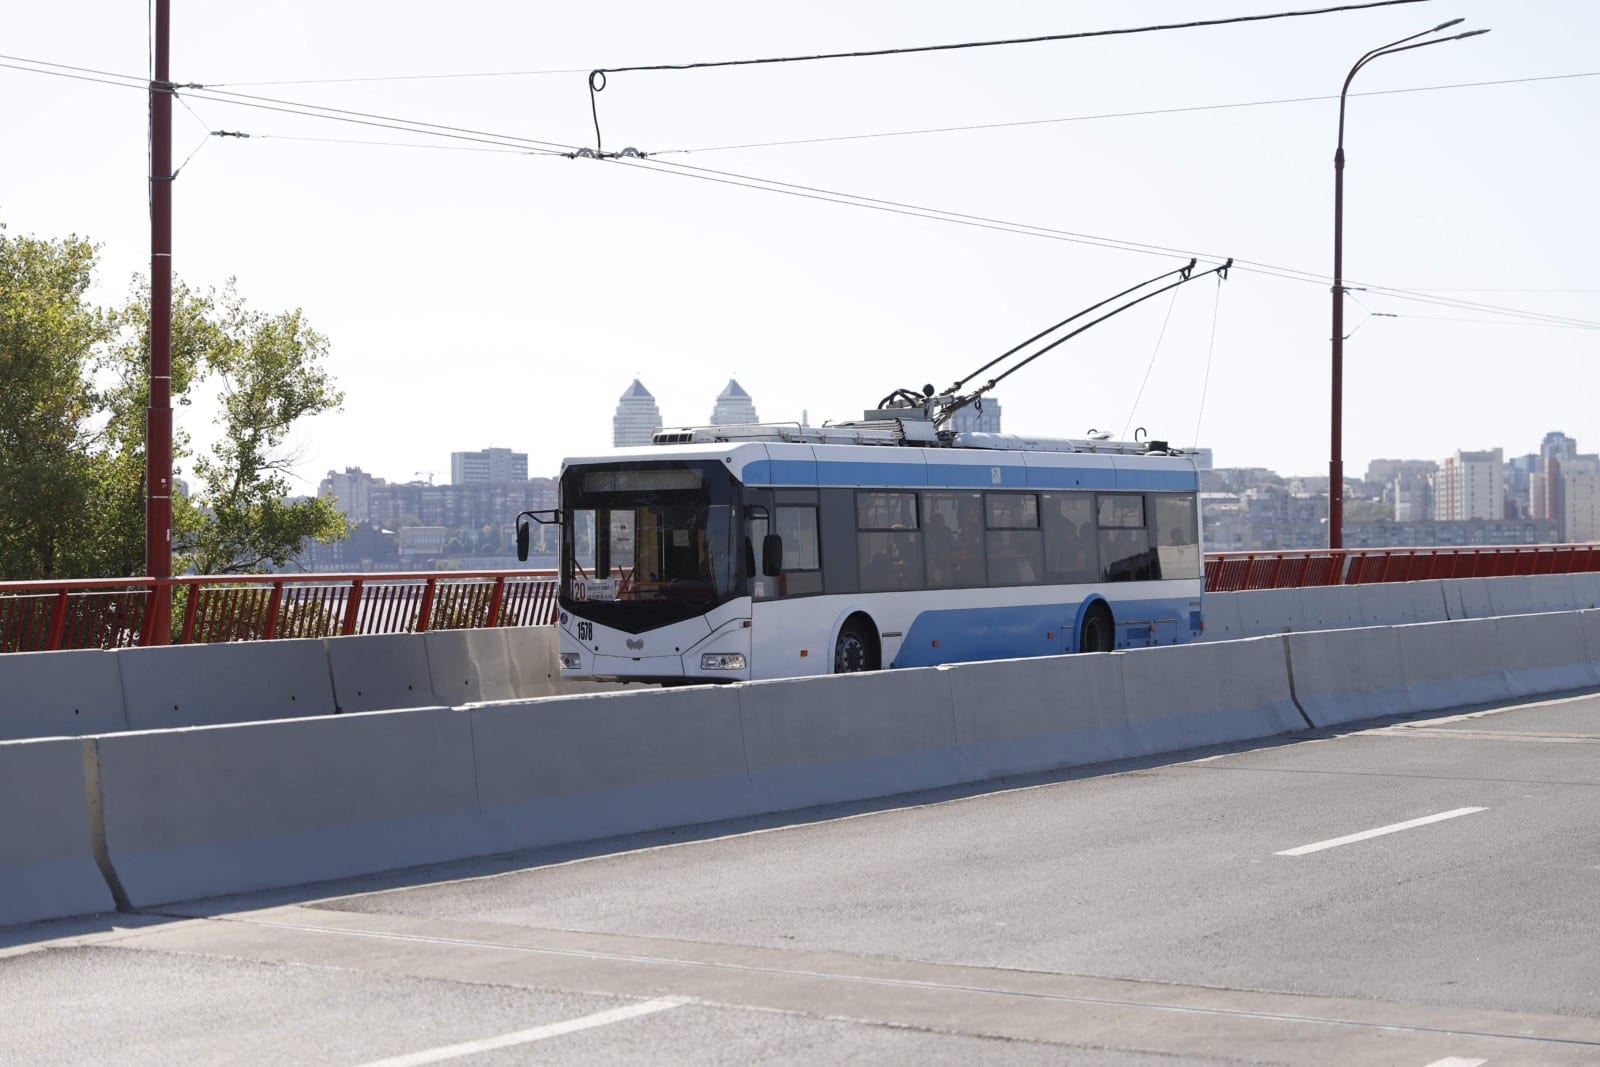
point(270, 370)
point(49, 335)
point(74, 389)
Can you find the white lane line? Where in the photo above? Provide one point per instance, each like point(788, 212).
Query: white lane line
point(523, 1037)
point(1379, 832)
point(1457, 1061)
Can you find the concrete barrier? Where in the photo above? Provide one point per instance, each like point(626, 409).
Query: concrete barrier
point(1468, 598)
point(578, 768)
point(1511, 596)
point(1545, 653)
point(531, 651)
point(1330, 607)
point(47, 866)
point(204, 685)
point(478, 666)
point(1344, 676)
point(1428, 601)
point(1187, 696)
point(835, 738)
point(1591, 635)
point(1026, 716)
point(381, 672)
point(59, 694)
point(1452, 664)
point(1585, 590)
point(201, 812)
point(1221, 614)
point(1553, 592)
point(1384, 604)
point(1269, 611)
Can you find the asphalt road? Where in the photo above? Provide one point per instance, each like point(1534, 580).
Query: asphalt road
point(1228, 907)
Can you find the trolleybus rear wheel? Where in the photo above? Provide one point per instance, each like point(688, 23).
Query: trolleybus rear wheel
point(854, 650)
point(1099, 635)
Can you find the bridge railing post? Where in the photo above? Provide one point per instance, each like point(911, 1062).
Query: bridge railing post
point(497, 597)
point(352, 607)
point(425, 612)
point(58, 621)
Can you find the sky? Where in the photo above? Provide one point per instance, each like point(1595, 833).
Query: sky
point(477, 293)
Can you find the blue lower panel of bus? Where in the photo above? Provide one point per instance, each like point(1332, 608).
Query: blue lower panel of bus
point(962, 635)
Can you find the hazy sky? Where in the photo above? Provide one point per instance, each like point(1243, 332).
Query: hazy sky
point(476, 295)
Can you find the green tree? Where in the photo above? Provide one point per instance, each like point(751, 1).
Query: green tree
point(271, 372)
point(117, 513)
point(74, 389)
point(48, 406)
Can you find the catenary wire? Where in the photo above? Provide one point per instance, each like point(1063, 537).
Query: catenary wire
point(394, 144)
point(1211, 348)
point(1147, 112)
point(811, 192)
point(597, 77)
point(985, 222)
point(1040, 39)
point(1162, 336)
point(408, 77)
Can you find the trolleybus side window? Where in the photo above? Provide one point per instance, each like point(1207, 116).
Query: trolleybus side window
point(1013, 543)
point(802, 560)
point(1124, 541)
point(953, 539)
point(1071, 540)
point(1177, 537)
point(889, 543)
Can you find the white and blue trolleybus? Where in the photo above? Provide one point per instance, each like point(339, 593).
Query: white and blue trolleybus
point(726, 553)
point(771, 552)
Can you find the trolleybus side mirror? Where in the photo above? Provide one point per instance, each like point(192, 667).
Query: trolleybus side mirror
point(522, 540)
point(772, 555)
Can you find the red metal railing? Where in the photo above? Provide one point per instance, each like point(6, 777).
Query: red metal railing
point(1229, 572)
point(98, 613)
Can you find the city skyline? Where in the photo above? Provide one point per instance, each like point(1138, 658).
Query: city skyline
point(1115, 158)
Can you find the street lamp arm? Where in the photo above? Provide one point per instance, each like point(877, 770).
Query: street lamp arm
point(1402, 45)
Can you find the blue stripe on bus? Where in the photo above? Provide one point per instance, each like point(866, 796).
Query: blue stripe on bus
point(868, 472)
point(961, 476)
point(1016, 631)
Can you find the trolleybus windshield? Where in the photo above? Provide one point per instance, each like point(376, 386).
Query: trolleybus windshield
point(647, 544)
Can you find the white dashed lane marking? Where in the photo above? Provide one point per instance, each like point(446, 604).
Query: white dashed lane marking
point(524, 1037)
point(1392, 828)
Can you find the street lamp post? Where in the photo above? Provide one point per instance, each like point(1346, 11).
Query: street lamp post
point(1336, 455)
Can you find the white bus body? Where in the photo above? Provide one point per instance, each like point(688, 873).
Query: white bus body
point(890, 556)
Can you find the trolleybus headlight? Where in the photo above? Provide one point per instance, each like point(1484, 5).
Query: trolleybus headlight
point(722, 661)
point(570, 661)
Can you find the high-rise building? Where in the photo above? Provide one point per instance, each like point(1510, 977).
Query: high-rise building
point(489, 466)
point(351, 493)
point(734, 406)
point(1580, 499)
point(1470, 485)
point(1412, 497)
point(970, 420)
point(637, 417)
point(1555, 450)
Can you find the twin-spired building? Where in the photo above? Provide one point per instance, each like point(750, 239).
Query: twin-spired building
point(638, 417)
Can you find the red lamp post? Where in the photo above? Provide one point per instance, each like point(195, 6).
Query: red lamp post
point(1336, 456)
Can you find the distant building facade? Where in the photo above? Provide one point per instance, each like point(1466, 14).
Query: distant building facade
point(637, 417)
point(734, 406)
point(351, 492)
point(1470, 485)
point(489, 466)
point(1580, 500)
